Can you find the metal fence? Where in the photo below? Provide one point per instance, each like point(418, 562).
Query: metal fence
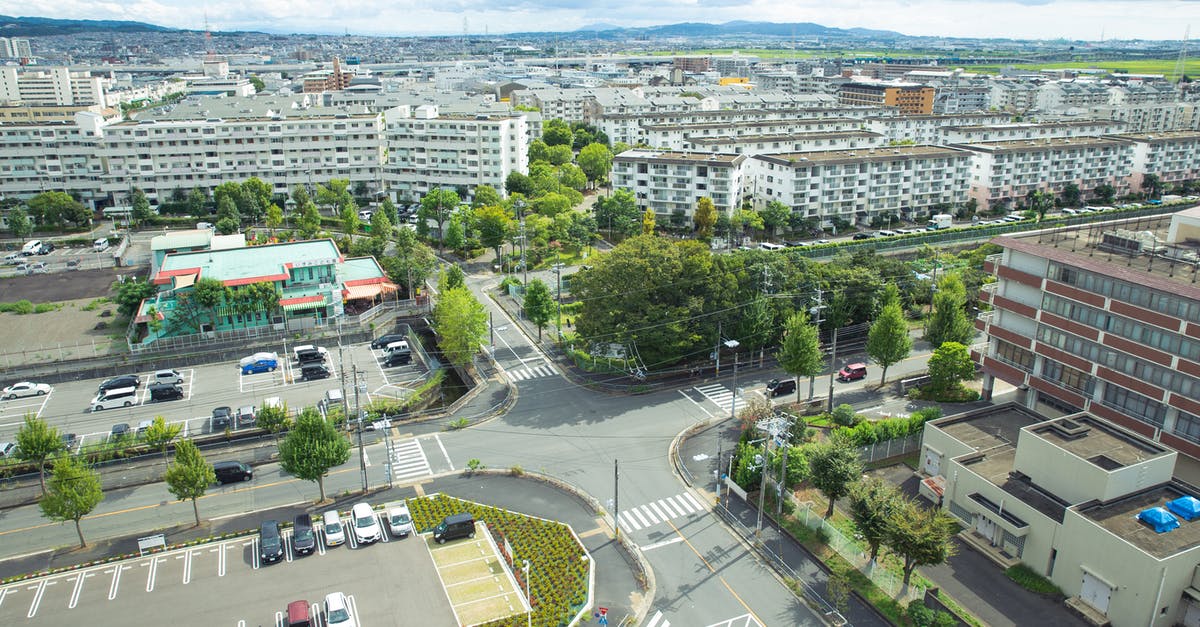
point(61, 352)
point(890, 448)
point(852, 551)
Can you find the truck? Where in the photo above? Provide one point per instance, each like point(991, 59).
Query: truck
point(941, 221)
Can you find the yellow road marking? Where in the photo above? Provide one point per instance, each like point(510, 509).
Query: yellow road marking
point(714, 571)
point(594, 532)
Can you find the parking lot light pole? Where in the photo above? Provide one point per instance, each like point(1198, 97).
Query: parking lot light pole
point(528, 594)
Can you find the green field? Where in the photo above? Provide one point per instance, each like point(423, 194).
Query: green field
point(1165, 67)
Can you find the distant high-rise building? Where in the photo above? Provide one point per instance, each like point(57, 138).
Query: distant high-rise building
point(11, 48)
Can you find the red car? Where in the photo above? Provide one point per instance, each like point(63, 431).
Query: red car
point(852, 372)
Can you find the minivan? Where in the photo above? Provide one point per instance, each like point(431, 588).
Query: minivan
point(852, 372)
point(454, 527)
point(309, 353)
point(116, 397)
point(229, 472)
point(31, 247)
point(397, 347)
point(165, 392)
point(397, 358)
point(779, 388)
point(100, 245)
point(304, 541)
point(313, 371)
point(770, 246)
point(171, 377)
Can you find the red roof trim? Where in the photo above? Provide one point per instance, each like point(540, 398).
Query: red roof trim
point(370, 281)
point(300, 300)
point(256, 279)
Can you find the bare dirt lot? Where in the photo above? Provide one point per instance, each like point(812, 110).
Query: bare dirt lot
point(62, 286)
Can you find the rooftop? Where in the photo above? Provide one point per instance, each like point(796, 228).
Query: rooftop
point(683, 158)
point(1160, 136)
point(1097, 442)
point(1120, 518)
point(789, 137)
point(859, 155)
point(240, 266)
point(1043, 143)
point(789, 122)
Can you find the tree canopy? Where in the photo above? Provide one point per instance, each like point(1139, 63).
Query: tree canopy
point(461, 323)
point(37, 441)
point(888, 341)
point(73, 492)
point(949, 321)
point(312, 447)
point(539, 304)
point(189, 477)
point(833, 469)
point(800, 354)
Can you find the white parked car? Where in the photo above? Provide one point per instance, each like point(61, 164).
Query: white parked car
point(366, 525)
point(24, 388)
point(399, 522)
point(335, 533)
point(245, 361)
point(337, 611)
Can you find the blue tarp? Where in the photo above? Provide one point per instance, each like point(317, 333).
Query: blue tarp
point(1159, 518)
point(1186, 507)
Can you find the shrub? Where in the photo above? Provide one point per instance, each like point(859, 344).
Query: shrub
point(1025, 577)
point(461, 423)
point(845, 416)
point(20, 307)
point(516, 470)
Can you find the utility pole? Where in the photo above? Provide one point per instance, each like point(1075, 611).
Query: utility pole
point(819, 309)
point(362, 453)
point(616, 501)
point(717, 350)
point(558, 297)
point(832, 365)
point(774, 426)
point(524, 266)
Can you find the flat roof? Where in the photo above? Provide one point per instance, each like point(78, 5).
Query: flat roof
point(1020, 127)
point(790, 122)
point(1163, 136)
point(1119, 517)
point(1042, 143)
point(1097, 442)
point(252, 264)
point(686, 158)
point(190, 238)
point(859, 155)
point(790, 137)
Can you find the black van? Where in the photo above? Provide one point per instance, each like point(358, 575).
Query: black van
point(397, 358)
point(165, 392)
point(455, 527)
point(779, 388)
point(313, 371)
point(228, 472)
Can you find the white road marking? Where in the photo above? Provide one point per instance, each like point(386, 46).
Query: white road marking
point(657, 617)
point(444, 453)
point(698, 405)
point(657, 545)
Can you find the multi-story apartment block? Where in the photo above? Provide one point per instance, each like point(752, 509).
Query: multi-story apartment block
point(1152, 117)
point(925, 129)
point(672, 182)
point(428, 150)
point(1172, 156)
point(1007, 171)
point(1141, 93)
point(632, 129)
point(1071, 96)
point(677, 136)
point(1101, 319)
point(961, 97)
point(858, 185)
point(335, 78)
point(50, 86)
point(693, 65)
point(51, 114)
point(15, 48)
point(62, 156)
point(1016, 96)
point(909, 98)
point(1103, 512)
point(791, 142)
point(973, 133)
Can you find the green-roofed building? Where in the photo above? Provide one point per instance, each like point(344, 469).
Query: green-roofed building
point(310, 283)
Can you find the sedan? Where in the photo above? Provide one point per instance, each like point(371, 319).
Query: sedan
point(24, 388)
point(261, 365)
point(123, 381)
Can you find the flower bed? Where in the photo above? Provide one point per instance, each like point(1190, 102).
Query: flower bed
point(558, 563)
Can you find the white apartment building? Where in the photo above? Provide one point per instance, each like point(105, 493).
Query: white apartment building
point(15, 48)
point(926, 129)
point(205, 143)
point(1071, 96)
point(857, 185)
point(1007, 171)
point(65, 156)
point(678, 136)
point(789, 143)
point(633, 129)
point(1014, 95)
point(673, 182)
point(50, 86)
point(1043, 130)
point(1137, 93)
point(427, 150)
point(1172, 156)
point(1152, 117)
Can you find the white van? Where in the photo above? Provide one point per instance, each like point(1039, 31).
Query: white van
point(770, 246)
point(100, 245)
point(116, 397)
point(31, 247)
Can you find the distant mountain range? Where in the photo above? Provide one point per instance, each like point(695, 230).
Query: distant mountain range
point(775, 29)
point(34, 26)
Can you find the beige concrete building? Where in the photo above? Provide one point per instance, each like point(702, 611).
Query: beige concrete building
point(673, 182)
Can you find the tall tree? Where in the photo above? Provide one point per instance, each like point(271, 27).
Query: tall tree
point(190, 475)
point(309, 222)
point(350, 221)
point(570, 175)
point(1041, 202)
point(873, 502)
point(273, 418)
point(949, 365)
point(1105, 193)
point(160, 434)
point(412, 263)
point(596, 161)
point(36, 442)
point(141, 212)
point(919, 535)
point(196, 199)
point(274, 218)
point(648, 218)
point(381, 225)
point(1152, 184)
point(229, 220)
point(619, 213)
point(1070, 195)
point(73, 492)
point(888, 341)
point(559, 155)
point(800, 353)
point(539, 304)
point(705, 218)
point(452, 277)
point(312, 447)
point(461, 323)
point(455, 237)
point(774, 216)
point(438, 205)
point(210, 294)
point(19, 223)
point(949, 321)
point(555, 132)
point(494, 225)
point(833, 468)
point(518, 183)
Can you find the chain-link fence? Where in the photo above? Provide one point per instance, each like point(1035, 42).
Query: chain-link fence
point(890, 448)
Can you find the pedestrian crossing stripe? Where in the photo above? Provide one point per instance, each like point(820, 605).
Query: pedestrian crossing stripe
point(720, 396)
point(659, 511)
point(654, 622)
point(534, 372)
point(408, 460)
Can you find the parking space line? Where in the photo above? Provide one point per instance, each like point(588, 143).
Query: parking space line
point(381, 517)
point(75, 592)
point(254, 552)
point(353, 608)
point(153, 574)
point(187, 566)
point(221, 558)
point(37, 596)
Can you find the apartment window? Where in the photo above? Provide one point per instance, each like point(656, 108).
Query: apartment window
point(1187, 426)
point(1141, 407)
point(1014, 355)
point(1068, 377)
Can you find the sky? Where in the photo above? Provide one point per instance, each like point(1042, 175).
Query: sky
point(1020, 19)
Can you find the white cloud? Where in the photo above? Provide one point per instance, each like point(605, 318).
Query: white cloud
point(1043, 19)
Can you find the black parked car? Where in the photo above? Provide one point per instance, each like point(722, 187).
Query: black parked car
point(303, 538)
point(165, 392)
point(270, 544)
point(779, 388)
point(228, 472)
point(46, 249)
point(312, 372)
point(384, 340)
point(123, 381)
point(222, 419)
point(864, 236)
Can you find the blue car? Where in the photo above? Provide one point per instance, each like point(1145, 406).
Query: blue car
point(260, 365)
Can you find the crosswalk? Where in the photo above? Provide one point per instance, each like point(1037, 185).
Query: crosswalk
point(408, 460)
point(655, 621)
point(721, 395)
point(531, 372)
point(659, 511)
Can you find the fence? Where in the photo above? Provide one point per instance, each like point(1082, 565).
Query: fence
point(61, 352)
point(848, 548)
point(890, 448)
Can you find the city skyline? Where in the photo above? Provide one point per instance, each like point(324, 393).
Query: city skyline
point(1016, 19)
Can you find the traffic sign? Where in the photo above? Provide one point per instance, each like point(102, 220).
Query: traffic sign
point(603, 611)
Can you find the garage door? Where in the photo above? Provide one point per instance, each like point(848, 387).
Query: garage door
point(1095, 593)
point(932, 462)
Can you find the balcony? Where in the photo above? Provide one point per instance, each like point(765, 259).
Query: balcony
point(987, 292)
point(991, 263)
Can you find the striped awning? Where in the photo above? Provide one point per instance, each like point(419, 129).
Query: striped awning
point(356, 292)
point(302, 302)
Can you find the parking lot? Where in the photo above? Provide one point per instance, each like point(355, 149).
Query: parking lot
point(222, 583)
point(206, 387)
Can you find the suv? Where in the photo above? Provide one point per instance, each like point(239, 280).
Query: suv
point(384, 340)
point(165, 392)
point(270, 544)
point(779, 388)
point(399, 521)
point(229, 472)
point(313, 371)
point(245, 416)
point(303, 538)
point(366, 526)
point(222, 419)
point(852, 372)
point(454, 527)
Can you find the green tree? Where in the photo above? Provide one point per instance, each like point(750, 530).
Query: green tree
point(570, 175)
point(189, 477)
point(312, 447)
point(559, 155)
point(1071, 195)
point(551, 204)
point(774, 216)
point(451, 278)
point(350, 221)
point(461, 323)
point(309, 222)
point(1152, 184)
point(1040, 202)
point(259, 85)
point(539, 304)
point(747, 219)
point(209, 294)
point(456, 237)
point(485, 196)
point(555, 132)
point(274, 218)
point(873, 502)
point(705, 218)
point(648, 218)
point(273, 418)
point(800, 353)
point(412, 263)
point(55, 209)
point(381, 225)
point(388, 209)
point(833, 468)
point(438, 205)
point(19, 223)
point(949, 365)
point(36, 442)
point(1105, 193)
point(160, 434)
point(596, 161)
point(141, 213)
point(196, 200)
point(949, 321)
point(919, 535)
point(888, 341)
point(518, 183)
point(130, 294)
point(229, 220)
point(73, 492)
point(538, 151)
point(493, 224)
